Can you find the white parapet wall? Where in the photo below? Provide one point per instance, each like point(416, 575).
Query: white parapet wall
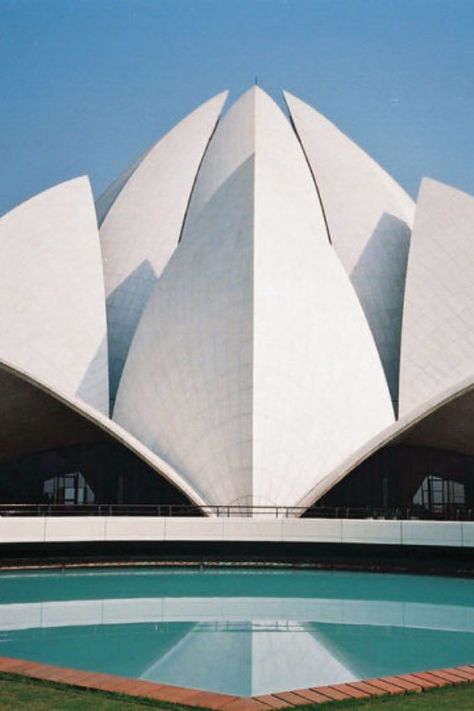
point(59, 529)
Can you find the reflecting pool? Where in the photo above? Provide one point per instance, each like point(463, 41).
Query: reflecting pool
point(245, 632)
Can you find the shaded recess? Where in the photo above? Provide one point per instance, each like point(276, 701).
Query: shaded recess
point(443, 424)
point(98, 473)
point(43, 440)
point(419, 478)
point(136, 287)
point(450, 427)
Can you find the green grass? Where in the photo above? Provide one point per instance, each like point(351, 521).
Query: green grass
point(454, 698)
point(17, 692)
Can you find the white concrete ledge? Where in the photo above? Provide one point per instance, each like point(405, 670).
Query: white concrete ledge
point(152, 528)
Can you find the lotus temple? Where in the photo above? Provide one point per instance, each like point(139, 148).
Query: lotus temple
point(254, 333)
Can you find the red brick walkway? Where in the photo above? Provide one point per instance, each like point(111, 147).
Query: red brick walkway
point(398, 684)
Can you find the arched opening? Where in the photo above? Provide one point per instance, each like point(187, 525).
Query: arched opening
point(420, 480)
point(91, 473)
point(51, 453)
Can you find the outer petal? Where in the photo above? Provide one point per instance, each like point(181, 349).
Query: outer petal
point(141, 217)
point(52, 308)
point(438, 319)
point(253, 370)
point(369, 218)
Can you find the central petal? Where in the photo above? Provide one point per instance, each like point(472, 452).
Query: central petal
point(253, 370)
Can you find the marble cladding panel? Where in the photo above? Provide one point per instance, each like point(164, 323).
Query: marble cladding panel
point(186, 390)
point(52, 319)
point(94, 528)
point(319, 387)
point(141, 218)
point(369, 219)
point(438, 320)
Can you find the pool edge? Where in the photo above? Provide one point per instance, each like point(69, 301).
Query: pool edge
point(360, 557)
point(395, 684)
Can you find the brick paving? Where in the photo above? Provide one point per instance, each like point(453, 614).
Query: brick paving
point(364, 689)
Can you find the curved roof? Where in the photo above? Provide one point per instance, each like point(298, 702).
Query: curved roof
point(37, 416)
point(369, 217)
point(262, 343)
point(253, 370)
point(438, 318)
point(52, 315)
point(141, 217)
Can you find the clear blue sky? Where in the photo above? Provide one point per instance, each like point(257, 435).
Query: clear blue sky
point(87, 85)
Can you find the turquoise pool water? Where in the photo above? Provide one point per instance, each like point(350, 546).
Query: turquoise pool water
point(244, 632)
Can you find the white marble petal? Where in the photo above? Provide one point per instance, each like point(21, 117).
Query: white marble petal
point(141, 217)
point(187, 385)
point(438, 319)
point(52, 308)
point(369, 217)
point(253, 370)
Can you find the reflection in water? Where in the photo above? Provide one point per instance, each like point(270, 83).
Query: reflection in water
point(238, 632)
point(272, 655)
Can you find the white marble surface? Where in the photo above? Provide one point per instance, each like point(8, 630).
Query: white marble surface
point(141, 217)
point(52, 315)
point(438, 319)
point(122, 528)
point(253, 370)
point(369, 218)
point(253, 376)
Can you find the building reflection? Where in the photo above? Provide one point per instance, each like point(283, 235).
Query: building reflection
point(243, 644)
